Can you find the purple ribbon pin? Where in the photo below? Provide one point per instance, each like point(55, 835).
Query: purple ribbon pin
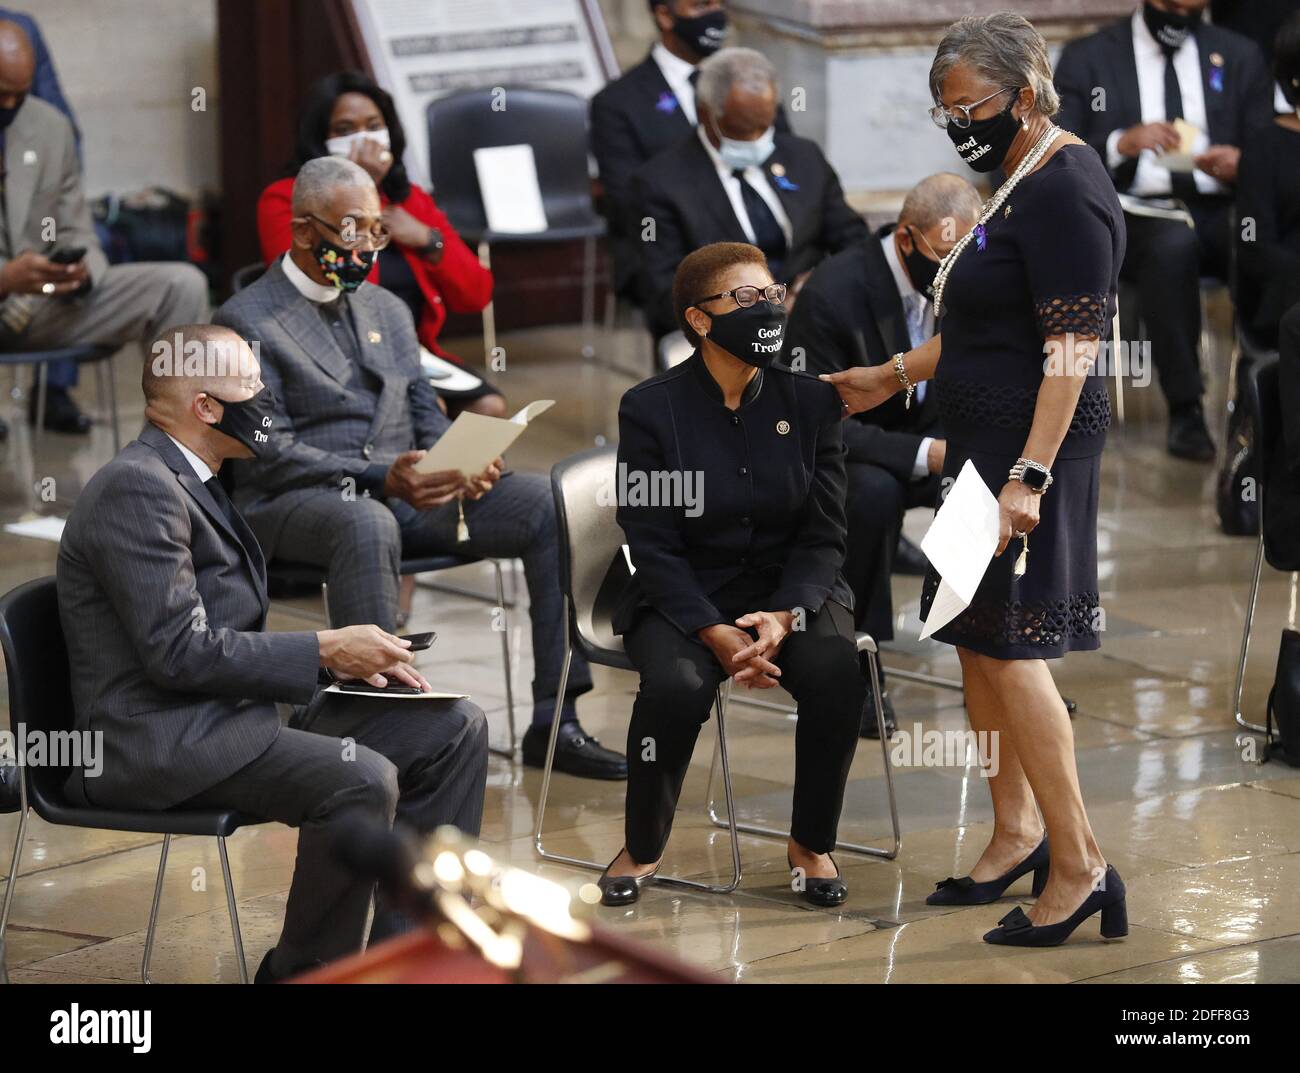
point(667, 103)
point(1216, 80)
point(981, 238)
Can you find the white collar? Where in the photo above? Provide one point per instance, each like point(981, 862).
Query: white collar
point(718, 162)
point(197, 464)
point(305, 285)
point(676, 71)
point(901, 280)
point(1143, 38)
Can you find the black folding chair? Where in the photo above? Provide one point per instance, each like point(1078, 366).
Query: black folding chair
point(82, 354)
point(40, 699)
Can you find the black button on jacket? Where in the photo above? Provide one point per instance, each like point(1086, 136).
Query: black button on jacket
point(707, 493)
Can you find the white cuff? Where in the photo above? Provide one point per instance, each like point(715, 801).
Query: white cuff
point(921, 467)
point(1114, 158)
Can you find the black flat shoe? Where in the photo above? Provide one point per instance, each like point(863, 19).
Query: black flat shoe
point(576, 752)
point(1015, 928)
point(1189, 437)
point(821, 890)
point(61, 413)
point(909, 560)
point(622, 890)
point(869, 727)
point(965, 891)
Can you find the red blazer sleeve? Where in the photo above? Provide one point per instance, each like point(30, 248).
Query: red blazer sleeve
point(274, 211)
point(465, 285)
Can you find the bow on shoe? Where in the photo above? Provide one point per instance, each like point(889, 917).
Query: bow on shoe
point(960, 882)
point(1015, 921)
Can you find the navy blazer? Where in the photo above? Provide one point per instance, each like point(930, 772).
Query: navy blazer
point(1238, 88)
point(769, 477)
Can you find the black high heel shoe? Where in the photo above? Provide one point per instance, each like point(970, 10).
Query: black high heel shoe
point(965, 891)
point(1015, 929)
point(622, 890)
point(821, 890)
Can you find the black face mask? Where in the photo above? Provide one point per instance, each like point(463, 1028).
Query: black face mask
point(249, 421)
point(703, 33)
point(7, 114)
point(1168, 28)
point(920, 269)
point(985, 143)
point(753, 335)
point(344, 269)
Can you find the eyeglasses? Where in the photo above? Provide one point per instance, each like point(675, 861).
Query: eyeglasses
point(350, 238)
point(960, 116)
point(746, 296)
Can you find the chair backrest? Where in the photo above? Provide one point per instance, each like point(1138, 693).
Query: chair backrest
point(553, 122)
point(40, 683)
point(593, 572)
point(1264, 403)
point(246, 275)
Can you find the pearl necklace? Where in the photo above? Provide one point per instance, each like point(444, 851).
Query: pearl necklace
point(990, 210)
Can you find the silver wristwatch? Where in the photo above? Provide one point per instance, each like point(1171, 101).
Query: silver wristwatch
point(1033, 475)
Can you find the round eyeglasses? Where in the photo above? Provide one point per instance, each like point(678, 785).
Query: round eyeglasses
point(960, 114)
point(746, 296)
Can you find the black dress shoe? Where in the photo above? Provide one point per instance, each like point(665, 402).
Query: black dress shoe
point(869, 727)
point(1015, 929)
point(823, 891)
point(1188, 436)
point(61, 413)
point(622, 890)
point(962, 890)
point(909, 560)
point(576, 753)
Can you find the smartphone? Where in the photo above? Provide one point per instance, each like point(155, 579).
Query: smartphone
point(420, 641)
point(68, 256)
point(393, 687)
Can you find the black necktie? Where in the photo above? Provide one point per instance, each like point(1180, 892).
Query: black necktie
point(693, 77)
point(1181, 183)
point(768, 235)
point(214, 486)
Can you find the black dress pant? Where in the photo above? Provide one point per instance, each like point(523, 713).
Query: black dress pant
point(875, 503)
point(1164, 263)
point(679, 677)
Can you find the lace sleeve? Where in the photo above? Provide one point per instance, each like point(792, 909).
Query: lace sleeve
point(1082, 314)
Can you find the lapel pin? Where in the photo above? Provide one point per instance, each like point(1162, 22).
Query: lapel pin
point(667, 103)
point(778, 170)
point(29, 156)
point(782, 427)
point(374, 337)
point(1216, 58)
point(1007, 213)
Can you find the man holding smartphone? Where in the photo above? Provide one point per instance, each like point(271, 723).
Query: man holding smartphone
point(56, 287)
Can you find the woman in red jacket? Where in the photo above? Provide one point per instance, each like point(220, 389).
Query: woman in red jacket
point(427, 265)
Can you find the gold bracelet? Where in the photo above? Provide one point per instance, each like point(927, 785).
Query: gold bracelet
point(900, 371)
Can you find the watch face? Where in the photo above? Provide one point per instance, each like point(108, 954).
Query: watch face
point(1034, 478)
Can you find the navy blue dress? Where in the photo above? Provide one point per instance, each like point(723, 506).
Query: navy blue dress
point(1047, 264)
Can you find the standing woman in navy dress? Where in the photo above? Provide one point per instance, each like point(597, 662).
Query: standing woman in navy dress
point(1025, 301)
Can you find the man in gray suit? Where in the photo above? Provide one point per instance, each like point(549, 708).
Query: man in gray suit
point(45, 304)
point(162, 596)
point(357, 414)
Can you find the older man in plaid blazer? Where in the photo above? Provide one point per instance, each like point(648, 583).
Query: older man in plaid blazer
point(355, 415)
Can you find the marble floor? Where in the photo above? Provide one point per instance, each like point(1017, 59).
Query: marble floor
point(1208, 841)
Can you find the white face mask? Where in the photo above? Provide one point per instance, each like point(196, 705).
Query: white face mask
point(737, 154)
point(342, 146)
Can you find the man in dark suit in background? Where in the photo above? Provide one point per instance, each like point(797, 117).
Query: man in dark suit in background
point(1122, 89)
point(162, 596)
point(357, 414)
point(738, 180)
point(860, 307)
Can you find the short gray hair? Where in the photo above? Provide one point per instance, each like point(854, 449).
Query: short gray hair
point(1004, 48)
point(318, 179)
point(940, 197)
point(729, 68)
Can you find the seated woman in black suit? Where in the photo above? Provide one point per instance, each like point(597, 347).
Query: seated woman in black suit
point(1268, 203)
point(738, 576)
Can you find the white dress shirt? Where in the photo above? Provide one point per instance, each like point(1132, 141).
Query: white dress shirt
point(305, 285)
point(1151, 180)
point(757, 178)
point(197, 464)
point(912, 300)
point(677, 73)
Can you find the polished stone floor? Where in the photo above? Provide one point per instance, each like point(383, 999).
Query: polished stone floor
point(1208, 842)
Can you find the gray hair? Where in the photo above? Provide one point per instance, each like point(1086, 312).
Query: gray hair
point(318, 179)
point(1004, 48)
point(731, 68)
point(940, 197)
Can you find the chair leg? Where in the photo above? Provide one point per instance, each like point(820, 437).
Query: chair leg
point(325, 602)
point(588, 296)
point(152, 929)
point(489, 310)
point(41, 391)
point(234, 912)
point(12, 883)
point(865, 644)
point(505, 660)
point(1240, 686)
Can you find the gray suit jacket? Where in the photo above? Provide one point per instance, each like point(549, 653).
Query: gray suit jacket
point(43, 183)
point(326, 433)
point(163, 605)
